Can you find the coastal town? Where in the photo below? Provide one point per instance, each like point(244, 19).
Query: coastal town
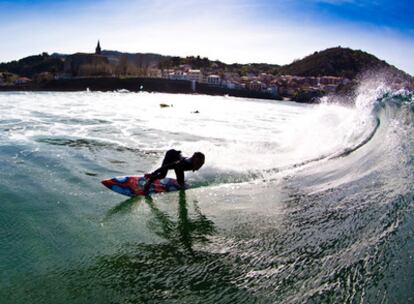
point(195, 71)
point(284, 85)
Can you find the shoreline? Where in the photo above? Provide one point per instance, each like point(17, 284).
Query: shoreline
point(137, 84)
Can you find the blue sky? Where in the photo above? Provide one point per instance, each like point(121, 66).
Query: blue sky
point(277, 31)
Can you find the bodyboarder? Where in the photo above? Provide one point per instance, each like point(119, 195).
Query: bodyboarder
point(174, 160)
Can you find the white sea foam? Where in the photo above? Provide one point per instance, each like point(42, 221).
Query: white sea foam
point(235, 134)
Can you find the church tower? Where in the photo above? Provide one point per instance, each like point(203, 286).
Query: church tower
point(98, 49)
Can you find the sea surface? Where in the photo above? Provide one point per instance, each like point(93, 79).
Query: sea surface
point(295, 203)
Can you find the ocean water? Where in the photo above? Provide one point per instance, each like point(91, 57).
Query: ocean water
point(295, 203)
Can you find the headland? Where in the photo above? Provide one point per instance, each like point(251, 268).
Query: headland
point(332, 71)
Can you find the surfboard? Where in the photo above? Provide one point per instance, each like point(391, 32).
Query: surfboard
point(134, 185)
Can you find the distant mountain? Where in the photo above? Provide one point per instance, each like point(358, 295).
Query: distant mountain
point(338, 61)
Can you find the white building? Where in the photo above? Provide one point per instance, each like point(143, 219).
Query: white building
point(178, 75)
point(166, 73)
point(214, 80)
point(257, 85)
point(195, 75)
point(230, 84)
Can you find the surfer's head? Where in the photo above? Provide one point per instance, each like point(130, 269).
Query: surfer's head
point(197, 160)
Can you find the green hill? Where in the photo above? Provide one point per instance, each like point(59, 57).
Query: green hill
point(32, 65)
point(342, 62)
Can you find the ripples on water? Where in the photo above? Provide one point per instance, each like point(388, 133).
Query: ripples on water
point(296, 204)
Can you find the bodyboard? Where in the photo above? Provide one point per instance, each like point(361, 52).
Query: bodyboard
point(134, 185)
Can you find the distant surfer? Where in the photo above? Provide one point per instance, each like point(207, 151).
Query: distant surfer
point(175, 161)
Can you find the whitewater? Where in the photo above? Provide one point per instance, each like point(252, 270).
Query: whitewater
point(296, 203)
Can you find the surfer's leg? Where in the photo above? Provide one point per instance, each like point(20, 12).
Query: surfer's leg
point(171, 156)
point(162, 173)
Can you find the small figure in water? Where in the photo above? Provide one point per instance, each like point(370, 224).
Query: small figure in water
point(174, 160)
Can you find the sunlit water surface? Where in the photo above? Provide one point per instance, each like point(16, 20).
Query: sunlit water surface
point(295, 204)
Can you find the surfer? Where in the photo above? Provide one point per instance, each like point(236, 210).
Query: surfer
point(174, 160)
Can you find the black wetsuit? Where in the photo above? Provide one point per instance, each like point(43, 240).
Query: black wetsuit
point(172, 160)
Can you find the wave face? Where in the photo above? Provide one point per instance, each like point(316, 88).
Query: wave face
point(296, 203)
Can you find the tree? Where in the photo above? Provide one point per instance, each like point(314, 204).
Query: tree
point(122, 67)
point(95, 69)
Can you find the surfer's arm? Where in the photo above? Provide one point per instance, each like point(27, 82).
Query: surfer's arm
point(161, 172)
point(179, 173)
